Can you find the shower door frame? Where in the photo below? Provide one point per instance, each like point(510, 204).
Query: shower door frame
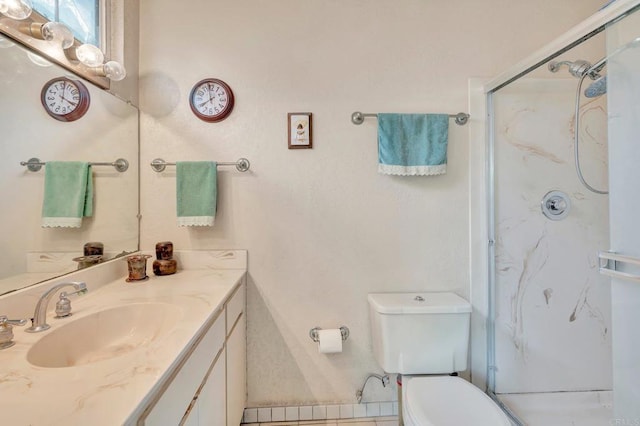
point(482, 192)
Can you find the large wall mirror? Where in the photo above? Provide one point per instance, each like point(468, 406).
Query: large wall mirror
point(108, 131)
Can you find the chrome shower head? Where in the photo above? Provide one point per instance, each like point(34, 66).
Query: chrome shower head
point(597, 88)
point(577, 68)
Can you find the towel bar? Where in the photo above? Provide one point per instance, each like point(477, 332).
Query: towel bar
point(242, 164)
point(34, 164)
point(610, 268)
point(358, 117)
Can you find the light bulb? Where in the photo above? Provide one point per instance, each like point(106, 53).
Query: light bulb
point(90, 55)
point(5, 43)
point(114, 70)
point(16, 9)
point(38, 60)
point(57, 31)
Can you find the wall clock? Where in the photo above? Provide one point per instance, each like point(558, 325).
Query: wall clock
point(211, 100)
point(65, 99)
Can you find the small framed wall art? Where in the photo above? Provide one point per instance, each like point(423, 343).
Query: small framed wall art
point(300, 136)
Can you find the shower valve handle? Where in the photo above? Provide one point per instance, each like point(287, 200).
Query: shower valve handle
point(556, 204)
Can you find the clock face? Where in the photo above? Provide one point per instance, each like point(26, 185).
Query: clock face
point(211, 100)
point(65, 99)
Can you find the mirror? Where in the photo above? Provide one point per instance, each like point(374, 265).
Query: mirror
point(108, 131)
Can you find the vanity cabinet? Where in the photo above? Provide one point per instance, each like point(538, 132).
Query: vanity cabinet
point(209, 388)
point(236, 372)
point(211, 404)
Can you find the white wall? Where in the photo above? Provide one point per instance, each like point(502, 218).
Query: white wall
point(322, 228)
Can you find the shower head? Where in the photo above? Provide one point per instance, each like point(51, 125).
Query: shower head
point(577, 68)
point(597, 88)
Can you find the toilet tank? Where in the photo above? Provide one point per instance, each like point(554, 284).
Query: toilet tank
point(420, 333)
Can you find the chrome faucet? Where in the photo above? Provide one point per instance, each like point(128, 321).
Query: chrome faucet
point(40, 314)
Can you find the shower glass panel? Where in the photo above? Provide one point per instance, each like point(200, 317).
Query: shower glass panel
point(552, 307)
point(624, 130)
point(563, 162)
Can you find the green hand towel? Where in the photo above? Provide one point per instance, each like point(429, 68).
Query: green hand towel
point(197, 192)
point(68, 194)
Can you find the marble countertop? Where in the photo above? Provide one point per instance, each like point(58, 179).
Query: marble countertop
point(111, 391)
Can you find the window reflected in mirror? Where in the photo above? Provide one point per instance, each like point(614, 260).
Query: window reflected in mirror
point(81, 16)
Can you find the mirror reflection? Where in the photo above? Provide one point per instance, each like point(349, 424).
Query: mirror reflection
point(107, 131)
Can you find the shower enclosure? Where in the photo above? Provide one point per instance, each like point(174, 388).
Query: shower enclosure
point(562, 154)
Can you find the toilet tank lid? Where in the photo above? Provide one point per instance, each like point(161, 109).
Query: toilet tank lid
point(418, 303)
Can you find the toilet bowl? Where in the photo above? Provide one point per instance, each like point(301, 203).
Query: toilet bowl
point(447, 400)
point(418, 334)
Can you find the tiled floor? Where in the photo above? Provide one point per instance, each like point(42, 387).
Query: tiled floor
point(378, 421)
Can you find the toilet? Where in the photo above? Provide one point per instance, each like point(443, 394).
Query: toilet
point(418, 334)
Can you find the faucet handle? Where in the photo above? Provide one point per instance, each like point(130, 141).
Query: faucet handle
point(63, 305)
point(6, 331)
point(4, 320)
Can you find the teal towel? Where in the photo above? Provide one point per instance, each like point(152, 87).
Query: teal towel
point(197, 192)
point(412, 144)
point(68, 194)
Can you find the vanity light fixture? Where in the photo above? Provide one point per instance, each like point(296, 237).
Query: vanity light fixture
point(87, 54)
point(51, 31)
point(55, 32)
point(112, 70)
point(16, 9)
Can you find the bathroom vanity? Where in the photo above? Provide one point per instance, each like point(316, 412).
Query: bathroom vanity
point(168, 350)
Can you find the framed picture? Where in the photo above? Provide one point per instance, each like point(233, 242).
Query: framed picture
point(300, 130)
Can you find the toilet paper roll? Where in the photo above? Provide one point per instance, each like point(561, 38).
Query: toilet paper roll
point(329, 341)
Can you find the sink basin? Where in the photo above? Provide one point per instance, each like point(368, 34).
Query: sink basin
point(104, 335)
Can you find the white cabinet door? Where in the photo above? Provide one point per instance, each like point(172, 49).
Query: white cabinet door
point(212, 402)
point(236, 373)
point(174, 402)
point(220, 395)
point(191, 418)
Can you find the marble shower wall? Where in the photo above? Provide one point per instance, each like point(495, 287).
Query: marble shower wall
point(553, 321)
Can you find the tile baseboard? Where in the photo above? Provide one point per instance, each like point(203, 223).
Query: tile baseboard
point(319, 412)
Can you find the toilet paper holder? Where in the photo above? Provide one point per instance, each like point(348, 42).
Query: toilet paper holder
point(313, 333)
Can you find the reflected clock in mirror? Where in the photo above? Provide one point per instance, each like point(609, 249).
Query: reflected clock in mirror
point(65, 99)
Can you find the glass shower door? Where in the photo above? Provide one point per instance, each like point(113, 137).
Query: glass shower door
point(624, 204)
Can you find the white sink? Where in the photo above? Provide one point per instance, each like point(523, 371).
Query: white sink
point(104, 335)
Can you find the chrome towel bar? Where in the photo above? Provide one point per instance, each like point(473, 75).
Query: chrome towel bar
point(358, 117)
point(242, 164)
point(609, 267)
point(34, 164)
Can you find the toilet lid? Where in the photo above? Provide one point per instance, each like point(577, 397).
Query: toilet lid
point(448, 400)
